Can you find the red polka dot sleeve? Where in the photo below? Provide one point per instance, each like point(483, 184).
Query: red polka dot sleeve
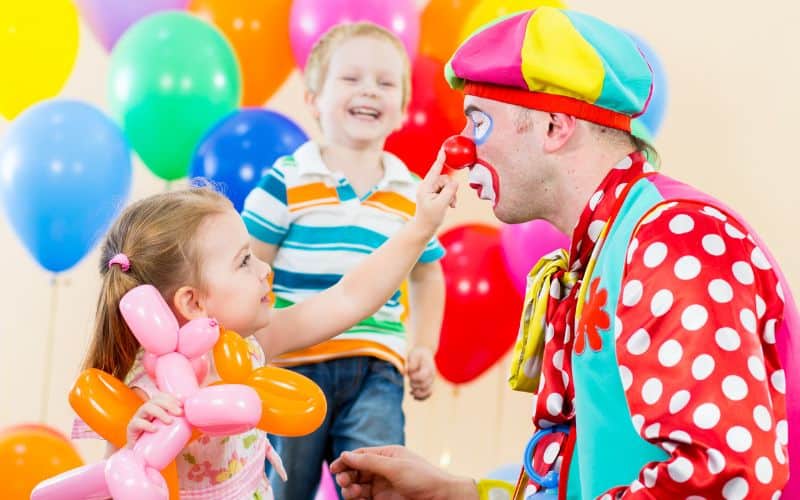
point(697, 357)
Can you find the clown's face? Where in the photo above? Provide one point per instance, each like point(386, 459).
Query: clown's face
point(510, 171)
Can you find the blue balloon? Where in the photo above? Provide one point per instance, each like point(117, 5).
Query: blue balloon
point(653, 117)
point(242, 147)
point(65, 172)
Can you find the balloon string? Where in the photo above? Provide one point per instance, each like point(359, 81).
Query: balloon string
point(48, 349)
point(167, 186)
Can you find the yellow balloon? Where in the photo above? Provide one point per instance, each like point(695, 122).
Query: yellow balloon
point(38, 46)
point(488, 10)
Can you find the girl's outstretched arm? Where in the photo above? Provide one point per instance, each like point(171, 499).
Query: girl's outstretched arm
point(366, 288)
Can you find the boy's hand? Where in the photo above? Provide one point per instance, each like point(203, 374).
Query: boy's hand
point(421, 372)
point(160, 407)
point(436, 192)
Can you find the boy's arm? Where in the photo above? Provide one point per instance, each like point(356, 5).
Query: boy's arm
point(426, 301)
point(366, 288)
point(427, 295)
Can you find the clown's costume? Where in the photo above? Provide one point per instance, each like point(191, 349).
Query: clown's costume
point(666, 342)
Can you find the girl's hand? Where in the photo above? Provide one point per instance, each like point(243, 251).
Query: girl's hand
point(436, 192)
point(160, 407)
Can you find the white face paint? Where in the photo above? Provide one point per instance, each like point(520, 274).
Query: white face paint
point(481, 126)
point(482, 177)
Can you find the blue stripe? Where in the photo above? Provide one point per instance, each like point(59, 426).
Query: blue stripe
point(432, 255)
point(345, 192)
point(328, 248)
point(274, 186)
point(261, 232)
point(263, 221)
point(276, 169)
point(341, 235)
point(288, 281)
point(305, 281)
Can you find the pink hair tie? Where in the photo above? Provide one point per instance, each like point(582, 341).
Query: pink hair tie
point(122, 260)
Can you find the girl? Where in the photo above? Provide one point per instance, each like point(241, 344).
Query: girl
point(194, 248)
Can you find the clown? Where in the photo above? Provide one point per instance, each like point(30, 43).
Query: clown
point(662, 348)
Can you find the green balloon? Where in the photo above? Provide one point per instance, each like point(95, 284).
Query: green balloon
point(172, 77)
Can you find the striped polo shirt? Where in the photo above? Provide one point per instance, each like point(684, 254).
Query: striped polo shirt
point(323, 230)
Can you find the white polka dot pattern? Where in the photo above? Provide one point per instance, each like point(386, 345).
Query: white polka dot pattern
point(699, 310)
point(694, 329)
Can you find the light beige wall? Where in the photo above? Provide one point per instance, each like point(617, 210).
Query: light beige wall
point(730, 130)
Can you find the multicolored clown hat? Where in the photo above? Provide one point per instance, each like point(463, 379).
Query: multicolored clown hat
point(557, 61)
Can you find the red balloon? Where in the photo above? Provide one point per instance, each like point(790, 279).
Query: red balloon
point(482, 309)
point(431, 116)
point(459, 152)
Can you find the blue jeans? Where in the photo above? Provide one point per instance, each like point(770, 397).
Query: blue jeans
point(365, 397)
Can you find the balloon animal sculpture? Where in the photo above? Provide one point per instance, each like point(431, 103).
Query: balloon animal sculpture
point(272, 399)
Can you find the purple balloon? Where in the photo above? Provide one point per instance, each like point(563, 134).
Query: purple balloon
point(524, 244)
point(109, 19)
point(310, 19)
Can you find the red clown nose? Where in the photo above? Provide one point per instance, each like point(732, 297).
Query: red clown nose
point(459, 152)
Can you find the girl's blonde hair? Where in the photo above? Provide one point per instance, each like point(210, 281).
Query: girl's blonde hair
point(157, 235)
point(320, 57)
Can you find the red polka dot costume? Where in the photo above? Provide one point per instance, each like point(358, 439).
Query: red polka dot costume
point(671, 379)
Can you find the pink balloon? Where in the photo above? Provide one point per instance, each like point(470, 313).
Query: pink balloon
point(88, 481)
point(197, 337)
point(130, 478)
point(179, 359)
point(223, 410)
point(327, 489)
point(310, 19)
point(108, 19)
point(150, 319)
point(524, 244)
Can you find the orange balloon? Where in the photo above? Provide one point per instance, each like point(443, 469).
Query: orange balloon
point(258, 30)
point(232, 358)
point(292, 405)
point(170, 473)
point(107, 405)
point(29, 454)
point(440, 25)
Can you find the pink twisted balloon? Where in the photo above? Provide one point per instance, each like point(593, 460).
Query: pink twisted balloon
point(177, 360)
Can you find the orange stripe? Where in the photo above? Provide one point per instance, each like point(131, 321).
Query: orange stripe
point(388, 210)
point(341, 348)
point(310, 192)
point(394, 201)
point(298, 207)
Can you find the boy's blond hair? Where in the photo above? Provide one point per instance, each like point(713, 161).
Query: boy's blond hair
point(320, 57)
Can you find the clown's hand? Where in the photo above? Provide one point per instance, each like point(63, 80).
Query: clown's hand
point(394, 473)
